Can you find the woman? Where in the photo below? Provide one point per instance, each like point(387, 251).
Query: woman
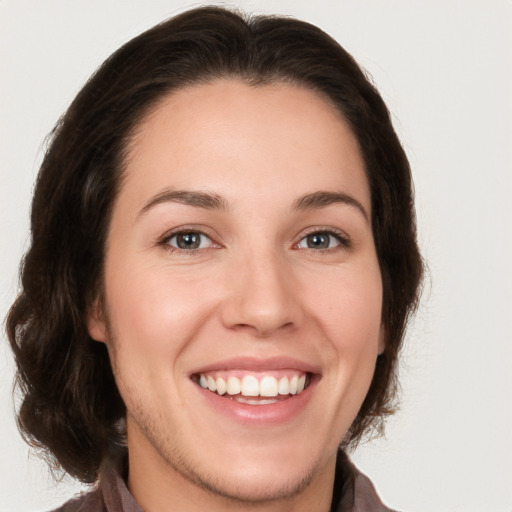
point(222, 265)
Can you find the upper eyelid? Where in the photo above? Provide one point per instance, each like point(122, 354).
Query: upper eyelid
point(167, 242)
point(186, 229)
point(164, 241)
point(344, 239)
point(324, 229)
point(214, 237)
point(178, 233)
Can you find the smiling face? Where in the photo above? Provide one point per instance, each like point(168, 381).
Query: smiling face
point(242, 293)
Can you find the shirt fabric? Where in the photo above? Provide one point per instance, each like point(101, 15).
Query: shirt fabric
point(353, 492)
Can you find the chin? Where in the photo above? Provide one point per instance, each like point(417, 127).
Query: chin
point(252, 483)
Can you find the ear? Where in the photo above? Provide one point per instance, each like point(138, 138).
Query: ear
point(96, 323)
point(382, 340)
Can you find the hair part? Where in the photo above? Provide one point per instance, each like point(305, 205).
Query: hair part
point(71, 406)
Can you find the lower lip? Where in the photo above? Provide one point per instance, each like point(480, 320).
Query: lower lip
point(259, 415)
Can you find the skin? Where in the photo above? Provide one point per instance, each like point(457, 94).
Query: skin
point(255, 288)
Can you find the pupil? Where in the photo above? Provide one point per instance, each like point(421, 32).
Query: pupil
point(318, 241)
point(188, 241)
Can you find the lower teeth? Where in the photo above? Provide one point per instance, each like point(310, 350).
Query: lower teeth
point(257, 400)
point(249, 401)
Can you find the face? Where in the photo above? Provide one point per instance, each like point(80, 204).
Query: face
point(242, 290)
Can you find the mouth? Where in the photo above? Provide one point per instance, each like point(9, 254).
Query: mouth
point(254, 387)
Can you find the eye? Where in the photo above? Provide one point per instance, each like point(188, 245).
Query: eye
point(322, 240)
point(189, 240)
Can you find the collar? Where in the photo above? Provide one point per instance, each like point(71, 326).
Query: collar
point(353, 491)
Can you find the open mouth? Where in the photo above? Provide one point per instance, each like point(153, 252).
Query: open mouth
point(254, 388)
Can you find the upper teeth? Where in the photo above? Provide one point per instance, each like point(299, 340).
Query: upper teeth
point(249, 385)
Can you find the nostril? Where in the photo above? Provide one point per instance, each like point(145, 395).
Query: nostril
point(263, 327)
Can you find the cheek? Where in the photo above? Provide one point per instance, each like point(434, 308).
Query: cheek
point(348, 311)
point(152, 317)
point(154, 313)
point(349, 308)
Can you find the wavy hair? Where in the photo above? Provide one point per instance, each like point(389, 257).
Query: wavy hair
point(70, 403)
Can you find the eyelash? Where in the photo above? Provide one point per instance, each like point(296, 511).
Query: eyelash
point(340, 236)
point(164, 242)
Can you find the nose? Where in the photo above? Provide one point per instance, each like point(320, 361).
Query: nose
point(262, 296)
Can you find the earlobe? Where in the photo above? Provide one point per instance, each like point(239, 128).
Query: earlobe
point(96, 324)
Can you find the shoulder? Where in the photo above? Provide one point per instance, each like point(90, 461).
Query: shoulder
point(90, 502)
point(353, 490)
point(110, 494)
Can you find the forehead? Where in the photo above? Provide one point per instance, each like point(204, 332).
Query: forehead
point(233, 136)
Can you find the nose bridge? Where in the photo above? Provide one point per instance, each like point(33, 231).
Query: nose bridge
point(261, 297)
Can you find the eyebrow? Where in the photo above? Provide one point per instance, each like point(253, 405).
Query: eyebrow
point(205, 200)
point(321, 199)
point(211, 201)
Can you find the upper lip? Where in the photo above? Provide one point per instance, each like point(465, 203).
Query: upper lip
point(259, 365)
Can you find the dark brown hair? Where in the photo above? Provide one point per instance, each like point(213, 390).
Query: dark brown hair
point(71, 405)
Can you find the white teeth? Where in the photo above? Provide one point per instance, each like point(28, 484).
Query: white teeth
point(284, 386)
point(301, 384)
point(221, 385)
point(250, 401)
point(268, 386)
point(250, 386)
point(294, 382)
point(233, 386)
point(212, 386)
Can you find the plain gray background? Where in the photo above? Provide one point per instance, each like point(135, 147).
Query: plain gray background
point(444, 69)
